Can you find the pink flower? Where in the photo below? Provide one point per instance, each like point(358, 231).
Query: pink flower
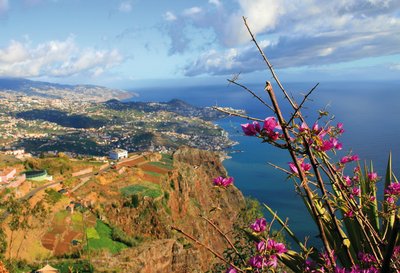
point(348, 158)
point(340, 127)
point(231, 270)
point(223, 181)
point(315, 127)
point(326, 145)
point(348, 214)
point(251, 129)
point(272, 262)
point(259, 225)
point(372, 198)
point(366, 258)
point(261, 246)
point(390, 200)
point(393, 189)
point(303, 127)
point(257, 261)
point(356, 191)
point(304, 166)
point(372, 176)
point(276, 247)
point(347, 180)
point(271, 124)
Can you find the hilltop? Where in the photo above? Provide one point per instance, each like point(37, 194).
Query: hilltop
point(25, 87)
point(118, 217)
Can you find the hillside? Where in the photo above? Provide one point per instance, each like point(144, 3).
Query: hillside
point(119, 219)
point(25, 87)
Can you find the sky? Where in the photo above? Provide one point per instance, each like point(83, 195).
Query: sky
point(128, 43)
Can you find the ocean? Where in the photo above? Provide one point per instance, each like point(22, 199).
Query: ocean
point(370, 112)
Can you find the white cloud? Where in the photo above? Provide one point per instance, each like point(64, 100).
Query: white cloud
point(3, 6)
point(294, 33)
point(192, 11)
point(395, 66)
point(125, 6)
point(54, 58)
point(215, 2)
point(169, 16)
point(262, 15)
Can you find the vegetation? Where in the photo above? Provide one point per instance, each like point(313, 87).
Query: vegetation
point(52, 196)
point(104, 240)
point(144, 189)
point(358, 231)
point(119, 235)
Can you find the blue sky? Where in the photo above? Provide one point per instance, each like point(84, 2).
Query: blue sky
point(123, 43)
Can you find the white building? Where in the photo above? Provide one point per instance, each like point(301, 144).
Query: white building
point(117, 154)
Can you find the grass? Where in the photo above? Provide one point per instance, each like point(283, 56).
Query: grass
point(162, 165)
point(104, 240)
point(60, 216)
point(92, 233)
point(153, 173)
point(145, 189)
point(167, 159)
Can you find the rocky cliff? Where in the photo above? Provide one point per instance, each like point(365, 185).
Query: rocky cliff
point(188, 194)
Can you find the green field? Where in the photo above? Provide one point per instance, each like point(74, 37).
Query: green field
point(145, 189)
point(100, 238)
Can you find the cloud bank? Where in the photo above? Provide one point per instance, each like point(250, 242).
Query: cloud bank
point(292, 33)
point(54, 58)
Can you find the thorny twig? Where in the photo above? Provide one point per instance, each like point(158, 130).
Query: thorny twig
point(251, 92)
point(302, 103)
point(224, 236)
point(216, 254)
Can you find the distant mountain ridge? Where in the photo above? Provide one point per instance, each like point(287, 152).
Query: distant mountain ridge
point(27, 87)
point(177, 106)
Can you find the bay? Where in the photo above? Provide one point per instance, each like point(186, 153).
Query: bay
point(370, 112)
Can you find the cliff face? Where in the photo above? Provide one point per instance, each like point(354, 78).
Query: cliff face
point(187, 193)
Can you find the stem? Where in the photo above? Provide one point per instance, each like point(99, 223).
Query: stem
point(321, 185)
point(224, 236)
point(302, 176)
point(254, 94)
point(216, 254)
point(269, 65)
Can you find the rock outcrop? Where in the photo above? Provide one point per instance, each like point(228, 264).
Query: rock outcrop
point(188, 194)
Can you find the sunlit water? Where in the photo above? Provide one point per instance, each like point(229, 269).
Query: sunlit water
point(370, 112)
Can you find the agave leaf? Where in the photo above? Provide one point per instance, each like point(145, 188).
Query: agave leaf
point(368, 188)
point(389, 222)
point(293, 260)
point(286, 227)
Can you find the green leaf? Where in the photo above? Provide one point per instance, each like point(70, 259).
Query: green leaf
point(286, 227)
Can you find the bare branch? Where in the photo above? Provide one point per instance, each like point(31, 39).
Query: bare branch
point(269, 65)
point(251, 92)
point(236, 114)
point(216, 254)
point(302, 103)
point(224, 236)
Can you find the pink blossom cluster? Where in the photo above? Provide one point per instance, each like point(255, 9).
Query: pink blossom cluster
point(259, 225)
point(368, 265)
point(269, 128)
point(349, 158)
point(305, 167)
point(223, 181)
point(392, 192)
point(268, 252)
point(324, 139)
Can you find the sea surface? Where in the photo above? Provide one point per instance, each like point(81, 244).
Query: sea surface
point(370, 112)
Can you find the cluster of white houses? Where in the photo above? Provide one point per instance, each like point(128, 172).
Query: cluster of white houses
point(9, 178)
point(118, 154)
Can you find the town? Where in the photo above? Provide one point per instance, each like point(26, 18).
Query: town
point(84, 128)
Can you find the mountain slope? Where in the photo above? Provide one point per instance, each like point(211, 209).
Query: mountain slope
point(27, 87)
